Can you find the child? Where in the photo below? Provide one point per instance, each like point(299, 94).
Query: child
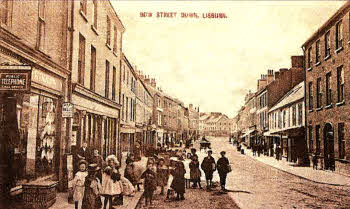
point(117, 185)
point(173, 161)
point(149, 184)
point(78, 183)
point(162, 175)
point(195, 172)
point(110, 186)
point(179, 181)
point(92, 186)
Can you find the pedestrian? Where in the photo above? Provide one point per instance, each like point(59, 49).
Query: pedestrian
point(223, 167)
point(129, 173)
point(117, 195)
point(78, 183)
point(193, 153)
point(84, 153)
point(314, 162)
point(129, 158)
point(110, 186)
point(162, 175)
point(178, 183)
point(173, 161)
point(150, 184)
point(97, 159)
point(195, 173)
point(92, 185)
point(208, 166)
point(254, 149)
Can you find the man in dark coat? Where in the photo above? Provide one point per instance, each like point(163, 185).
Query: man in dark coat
point(223, 166)
point(208, 166)
point(84, 153)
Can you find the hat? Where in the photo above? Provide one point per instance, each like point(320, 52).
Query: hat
point(173, 159)
point(211, 151)
point(83, 162)
point(93, 167)
point(222, 152)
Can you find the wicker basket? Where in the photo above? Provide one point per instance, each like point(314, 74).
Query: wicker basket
point(39, 195)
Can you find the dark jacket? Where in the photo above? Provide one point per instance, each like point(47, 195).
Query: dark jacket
point(223, 165)
point(178, 183)
point(86, 154)
point(150, 183)
point(208, 165)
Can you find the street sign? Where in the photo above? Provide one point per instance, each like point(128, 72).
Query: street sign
point(15, 78)
point(67, 110)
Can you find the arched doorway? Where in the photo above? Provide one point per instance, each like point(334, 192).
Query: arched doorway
point(328, 146)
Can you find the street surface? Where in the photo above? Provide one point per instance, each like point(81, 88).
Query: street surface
point(257, 185)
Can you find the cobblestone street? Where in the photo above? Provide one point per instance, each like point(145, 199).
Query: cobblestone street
point(257, 185)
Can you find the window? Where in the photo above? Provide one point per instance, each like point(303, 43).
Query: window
point(127, 109)
point(327, 44)
point(328, 89)
point(284, 118)
point(115, 39)
point(95, 14)
point(294, 115)
point(81, 60)
point(311, 142)
point(123, 103)
point(108, 31)
point(311, 98)
point(300, 114)
point(318, 56)
point(340, 83)
point(341, 140)
point(5, 12)
point(41, 26)
point(93, 69)
point(318, 139)
point(114, 83)
point(318, 93)
point(309, 58)
point(339, 35)
point(107, 80)
point(83, 6)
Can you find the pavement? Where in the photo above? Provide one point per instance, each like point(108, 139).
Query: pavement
point(129, 202)
point(317, 176)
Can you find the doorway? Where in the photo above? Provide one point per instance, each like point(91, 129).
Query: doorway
point(328, 136)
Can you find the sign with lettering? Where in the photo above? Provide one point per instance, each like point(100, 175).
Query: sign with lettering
point(15, 78)
point(67, 110)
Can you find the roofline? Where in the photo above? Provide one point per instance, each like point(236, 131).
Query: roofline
point(320, 30)
point(289, 104)
point(145, 87)
point(121, 23)
point(130, 66)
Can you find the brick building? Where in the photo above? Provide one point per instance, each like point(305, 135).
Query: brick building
point(327, 93)
point(33, 35)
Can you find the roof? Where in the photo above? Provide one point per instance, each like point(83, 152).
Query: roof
point(130, 66)
point(297, 93)
point(322, 29)
point(204, 117)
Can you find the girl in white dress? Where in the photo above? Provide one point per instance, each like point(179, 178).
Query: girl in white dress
point(78, 183)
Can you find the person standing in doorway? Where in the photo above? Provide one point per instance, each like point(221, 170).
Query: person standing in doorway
point(208, 166)
point(223, 166)
point(84, 153)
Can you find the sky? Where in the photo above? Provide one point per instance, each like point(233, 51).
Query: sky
point(213, 63)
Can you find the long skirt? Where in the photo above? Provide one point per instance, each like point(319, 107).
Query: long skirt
point(128, 188)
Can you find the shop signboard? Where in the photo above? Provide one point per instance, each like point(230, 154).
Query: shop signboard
point(15, 78)
point(67, 110)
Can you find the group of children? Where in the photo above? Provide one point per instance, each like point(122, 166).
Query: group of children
point(88, 188)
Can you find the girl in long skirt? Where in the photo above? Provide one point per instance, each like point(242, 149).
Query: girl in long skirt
point(179, 181)
point(150, 184)
point(195, 172)
point(162, 175)
point(92, 186)
point(78, 183)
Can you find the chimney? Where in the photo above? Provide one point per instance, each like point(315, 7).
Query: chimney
point(270, 76)
point(297, 61)
point(262, 82)
point(277, 75)
point(153, 83)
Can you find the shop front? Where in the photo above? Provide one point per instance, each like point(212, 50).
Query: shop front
point(30, 128)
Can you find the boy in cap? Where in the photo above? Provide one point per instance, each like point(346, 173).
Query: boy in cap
point(208, 166)
point(223, 166)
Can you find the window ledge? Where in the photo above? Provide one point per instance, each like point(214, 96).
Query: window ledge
point(309, 69)
point(339, 49)
point(319, 108)
point(83, 15)
point(94, 29)
point(340, 103)
point(108, 46)
point(318, 63)
point(328, 106)
point(327, 57)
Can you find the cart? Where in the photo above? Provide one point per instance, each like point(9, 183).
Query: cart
point(204, 145)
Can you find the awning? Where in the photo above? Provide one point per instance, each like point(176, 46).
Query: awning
point(248, 132)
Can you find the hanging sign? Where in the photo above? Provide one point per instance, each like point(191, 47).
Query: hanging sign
point(67, 110)
point(15, 78)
